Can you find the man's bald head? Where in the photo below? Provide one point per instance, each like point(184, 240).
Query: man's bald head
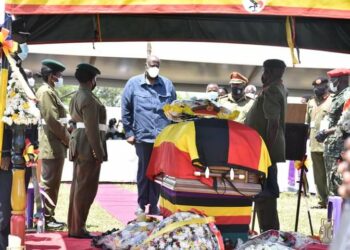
point(153, 61)
point(212, 87)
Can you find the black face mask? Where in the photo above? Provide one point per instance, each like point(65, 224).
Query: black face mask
point(237, 91)
point(319, 91)
point(93, 86)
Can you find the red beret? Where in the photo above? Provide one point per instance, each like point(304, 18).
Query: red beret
point(338, 72)
point(238, 78)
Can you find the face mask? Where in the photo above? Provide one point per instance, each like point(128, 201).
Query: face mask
point(31, 82)
point(93, 85)
point(24, 51)
point(333, 87)
point(212, 95)
point(153, 72)
point(237, 91)
point(59, 82)
point(319, 91)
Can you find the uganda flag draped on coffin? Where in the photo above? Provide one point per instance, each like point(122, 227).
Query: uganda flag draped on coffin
point(186, 147)
point(180, 148)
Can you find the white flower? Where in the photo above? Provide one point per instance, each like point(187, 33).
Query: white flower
point(7, 120)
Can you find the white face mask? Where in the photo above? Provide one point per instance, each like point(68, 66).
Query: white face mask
point(31, 82)
point(212, 95)
point(333, 88)
point(153, 72)
point(24, 51)
point(59, 82)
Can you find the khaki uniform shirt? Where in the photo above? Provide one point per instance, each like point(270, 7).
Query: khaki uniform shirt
point(87, 143)
point(53, 134)
point(243, 105)
point(270, 104)
point(315, 113)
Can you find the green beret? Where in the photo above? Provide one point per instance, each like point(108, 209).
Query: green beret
point(88, 68)
point(274, 64)
point(55, 66)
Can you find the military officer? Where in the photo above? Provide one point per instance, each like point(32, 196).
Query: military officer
point(237, 99)
point(53, 136)
point(267, 117)
point(317, 109)
point(86, 149)
point(333, 141)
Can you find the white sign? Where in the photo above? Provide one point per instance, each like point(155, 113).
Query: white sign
point(254, 6)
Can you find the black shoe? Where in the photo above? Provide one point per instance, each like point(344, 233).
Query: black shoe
point(319, 206)
point(58, 222)
point(154, 211)
point(54, 226)
point(84, 235)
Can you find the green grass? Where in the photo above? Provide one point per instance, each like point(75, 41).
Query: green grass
point(287, 205)
point(100, 220)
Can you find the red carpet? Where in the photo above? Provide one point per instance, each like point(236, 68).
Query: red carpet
point(57, 240)
point(119, 202)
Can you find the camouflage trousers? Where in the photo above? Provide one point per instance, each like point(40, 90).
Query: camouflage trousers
point(334, 179)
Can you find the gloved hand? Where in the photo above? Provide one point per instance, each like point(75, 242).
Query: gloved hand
point(321, 136)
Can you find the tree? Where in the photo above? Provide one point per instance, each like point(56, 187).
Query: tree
point(109, 96)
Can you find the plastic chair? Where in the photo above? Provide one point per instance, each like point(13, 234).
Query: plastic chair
point(334, 211)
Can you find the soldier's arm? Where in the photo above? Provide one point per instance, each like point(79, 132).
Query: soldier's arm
point(272, 111)
point(90, 111)
point(127, 110)
point(307, 115)
point(49, 113)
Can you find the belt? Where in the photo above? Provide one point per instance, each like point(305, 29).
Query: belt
point(102, 127)
point(60, 120)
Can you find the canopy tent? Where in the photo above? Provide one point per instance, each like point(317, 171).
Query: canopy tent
point(315, 8)
point(317, 24)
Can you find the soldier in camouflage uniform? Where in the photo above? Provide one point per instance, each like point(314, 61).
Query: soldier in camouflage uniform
point(237, 100)
point(332, 139)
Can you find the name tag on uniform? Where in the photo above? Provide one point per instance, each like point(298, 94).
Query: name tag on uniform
point(312, 124)
point(324, 124)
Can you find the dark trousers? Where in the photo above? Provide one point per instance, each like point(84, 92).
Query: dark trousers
point(266, 204)
point(320, 176)
point(83, 191)
point(148, 191)
point(51, 180)
point(5, 206)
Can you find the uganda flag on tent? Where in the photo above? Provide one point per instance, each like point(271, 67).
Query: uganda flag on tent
point(183, 148)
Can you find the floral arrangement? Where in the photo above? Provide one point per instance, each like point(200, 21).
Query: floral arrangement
point(182, 110)
point(134, 233)
point(181, 230)
point(184, 230)
point(20, 110)
point(277, 240)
